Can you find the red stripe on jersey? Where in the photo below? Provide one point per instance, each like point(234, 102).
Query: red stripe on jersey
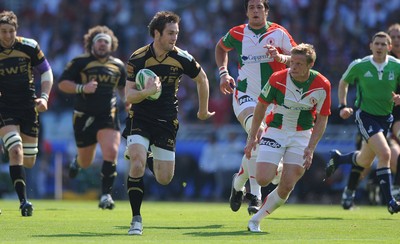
point(269, 118)
point(321, 81)
point(280, 77)
point(237, 32)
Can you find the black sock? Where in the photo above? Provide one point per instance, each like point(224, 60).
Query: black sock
point(18, 177)
point(108, 174)
point(150, 162)
point(265, 190)
point(354, 177)
point(348, 158)
point(135, 193)
point(397, 175)
point(383, 175)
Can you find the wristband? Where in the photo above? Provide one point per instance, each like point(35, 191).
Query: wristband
point(341, 106)
point(79, 88)
point(223, 71)
point(44, 96)
point(283, 59)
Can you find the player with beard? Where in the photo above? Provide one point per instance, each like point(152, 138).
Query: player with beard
point(154, 123)
point(95, 77)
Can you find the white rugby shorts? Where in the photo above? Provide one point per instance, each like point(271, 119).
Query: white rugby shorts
point(288, 146)
point(241, 101)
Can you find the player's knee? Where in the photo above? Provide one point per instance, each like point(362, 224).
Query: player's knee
point(85, 164)
point(137, 166)
point(113, 156)
point(30, 150)
point(11, 140)
point(29, 162)
point(84, 160)
point(262, 179)
point(383, 156)
point(164, 179)
point(262, 182)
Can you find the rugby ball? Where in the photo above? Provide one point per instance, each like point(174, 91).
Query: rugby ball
point(141, 79)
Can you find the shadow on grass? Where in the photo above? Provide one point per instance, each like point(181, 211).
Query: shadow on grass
point(225, 233)
point(202, 230)
point(176, 227)
point(199, 233)
point(307, 218)
point(81, 234)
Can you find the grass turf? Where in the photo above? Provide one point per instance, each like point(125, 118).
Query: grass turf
point(180, 222)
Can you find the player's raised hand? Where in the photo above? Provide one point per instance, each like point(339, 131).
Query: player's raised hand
point(272, 51)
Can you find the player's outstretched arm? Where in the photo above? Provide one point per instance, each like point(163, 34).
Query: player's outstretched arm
point(203, 92)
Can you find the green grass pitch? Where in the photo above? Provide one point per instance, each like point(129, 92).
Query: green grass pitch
point(184, 222)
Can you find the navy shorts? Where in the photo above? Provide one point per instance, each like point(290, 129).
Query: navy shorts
point(369, 124)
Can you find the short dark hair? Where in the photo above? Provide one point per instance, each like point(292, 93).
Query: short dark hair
point(393, 27)
point(159, 21)
point(384, 35)
point(8, 17)
point(265, 3)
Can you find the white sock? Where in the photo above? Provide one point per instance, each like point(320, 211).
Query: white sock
point(271, 202)
point(242, 176)
point(255, 188)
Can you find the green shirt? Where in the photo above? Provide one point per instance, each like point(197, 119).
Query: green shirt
point(375, 83)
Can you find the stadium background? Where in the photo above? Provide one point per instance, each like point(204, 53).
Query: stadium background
point(340, 30)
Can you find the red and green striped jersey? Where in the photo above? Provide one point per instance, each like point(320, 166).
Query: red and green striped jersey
point(296, 103)
point(255, 66)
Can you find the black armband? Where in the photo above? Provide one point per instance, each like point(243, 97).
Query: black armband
point(341, 106)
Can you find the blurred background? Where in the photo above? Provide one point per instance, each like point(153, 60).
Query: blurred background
point(208, 153)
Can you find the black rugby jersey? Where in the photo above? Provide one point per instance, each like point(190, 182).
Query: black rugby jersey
point(170, 70)
point(109, 75)
point(16, 73)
